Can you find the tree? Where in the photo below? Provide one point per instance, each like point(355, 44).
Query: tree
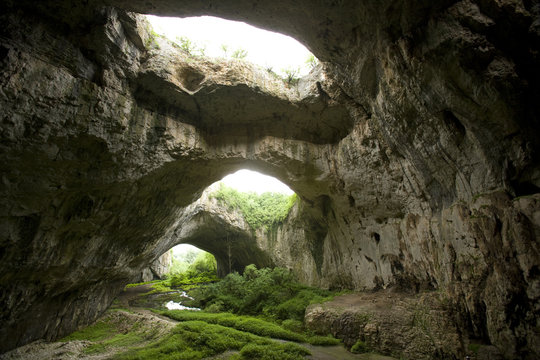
point(291, 75)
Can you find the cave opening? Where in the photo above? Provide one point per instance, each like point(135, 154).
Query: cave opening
point(213, 37)
point(226, 226)
point(187, 261)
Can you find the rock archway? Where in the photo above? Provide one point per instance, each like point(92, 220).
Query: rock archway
point(407, 148)
point(212, 227)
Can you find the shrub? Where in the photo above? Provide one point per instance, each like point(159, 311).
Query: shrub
point(311, 61)
point(360, 347)
point(273, 293)
point(239, 54)
point(291, 76)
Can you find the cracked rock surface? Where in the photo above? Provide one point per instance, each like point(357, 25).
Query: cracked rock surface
point(413, 149)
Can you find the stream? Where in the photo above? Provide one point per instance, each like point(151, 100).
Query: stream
point(173, 301)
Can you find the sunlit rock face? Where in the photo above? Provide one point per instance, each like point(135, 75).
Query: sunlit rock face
point(214, 227)
point(413, 149)
point(157, 270)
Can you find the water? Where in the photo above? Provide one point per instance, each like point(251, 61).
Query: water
point(172, 305)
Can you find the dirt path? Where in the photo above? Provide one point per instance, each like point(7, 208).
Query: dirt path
point(75, 349)
point(71, 350)
point(132, 293)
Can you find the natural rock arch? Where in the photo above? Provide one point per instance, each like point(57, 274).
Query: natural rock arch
point(428, 132)
point(212, 227)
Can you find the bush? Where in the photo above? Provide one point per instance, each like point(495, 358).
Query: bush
point(360, 347)
point(273, 293)
point(293, 325)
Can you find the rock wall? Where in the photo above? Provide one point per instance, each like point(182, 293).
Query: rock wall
point(413, 149)
point(157, 269)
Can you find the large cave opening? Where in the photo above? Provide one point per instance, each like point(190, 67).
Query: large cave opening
point(234, 220)
point(216, 38)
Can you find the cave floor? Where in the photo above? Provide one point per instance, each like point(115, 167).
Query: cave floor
point(126, 312)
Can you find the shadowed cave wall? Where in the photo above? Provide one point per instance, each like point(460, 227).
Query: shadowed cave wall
point(413, 149)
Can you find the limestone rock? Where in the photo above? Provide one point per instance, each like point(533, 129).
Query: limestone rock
point(157, 269)
point(413, 149)
point(397, 324)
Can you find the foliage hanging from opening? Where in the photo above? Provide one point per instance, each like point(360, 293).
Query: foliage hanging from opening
point(268, 209)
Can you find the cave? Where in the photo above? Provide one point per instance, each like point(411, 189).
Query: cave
point(412, 146)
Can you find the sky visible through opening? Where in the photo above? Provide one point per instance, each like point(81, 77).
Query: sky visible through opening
point(245, 181)
point(264, 48)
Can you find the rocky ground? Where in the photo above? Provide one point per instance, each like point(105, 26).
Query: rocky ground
point(127, 314)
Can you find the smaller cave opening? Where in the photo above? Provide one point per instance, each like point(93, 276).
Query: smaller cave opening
point(189, 264)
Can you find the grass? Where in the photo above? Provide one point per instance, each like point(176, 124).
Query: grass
point(244, 323)
point(252, 309)
point(198, 340)
point(115, 330)
point(360, 347)
point(249, 324)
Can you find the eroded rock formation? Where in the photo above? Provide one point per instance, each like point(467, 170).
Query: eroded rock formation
point(213, 227)
point(414, 149)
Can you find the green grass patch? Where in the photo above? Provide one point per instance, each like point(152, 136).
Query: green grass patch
point(115, 330)
point(139, 284)
point(360, 347)
point(198, 340)
point(244, 323)
point(101, 330)
point(249, 324)
point(474, 347)
point(286, 351)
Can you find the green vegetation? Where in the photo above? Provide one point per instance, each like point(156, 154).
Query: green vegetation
point(200, 269)
point(239, 54)
point(360, 347)
point(115, 330)
point(291, 76)
point(311, 61)
point(151, 41)
point(474, 348)
point(198, 340)
point(203, 269)
point(249, 324)
point(268, 303)
point(273, 293)
point(266, 210)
